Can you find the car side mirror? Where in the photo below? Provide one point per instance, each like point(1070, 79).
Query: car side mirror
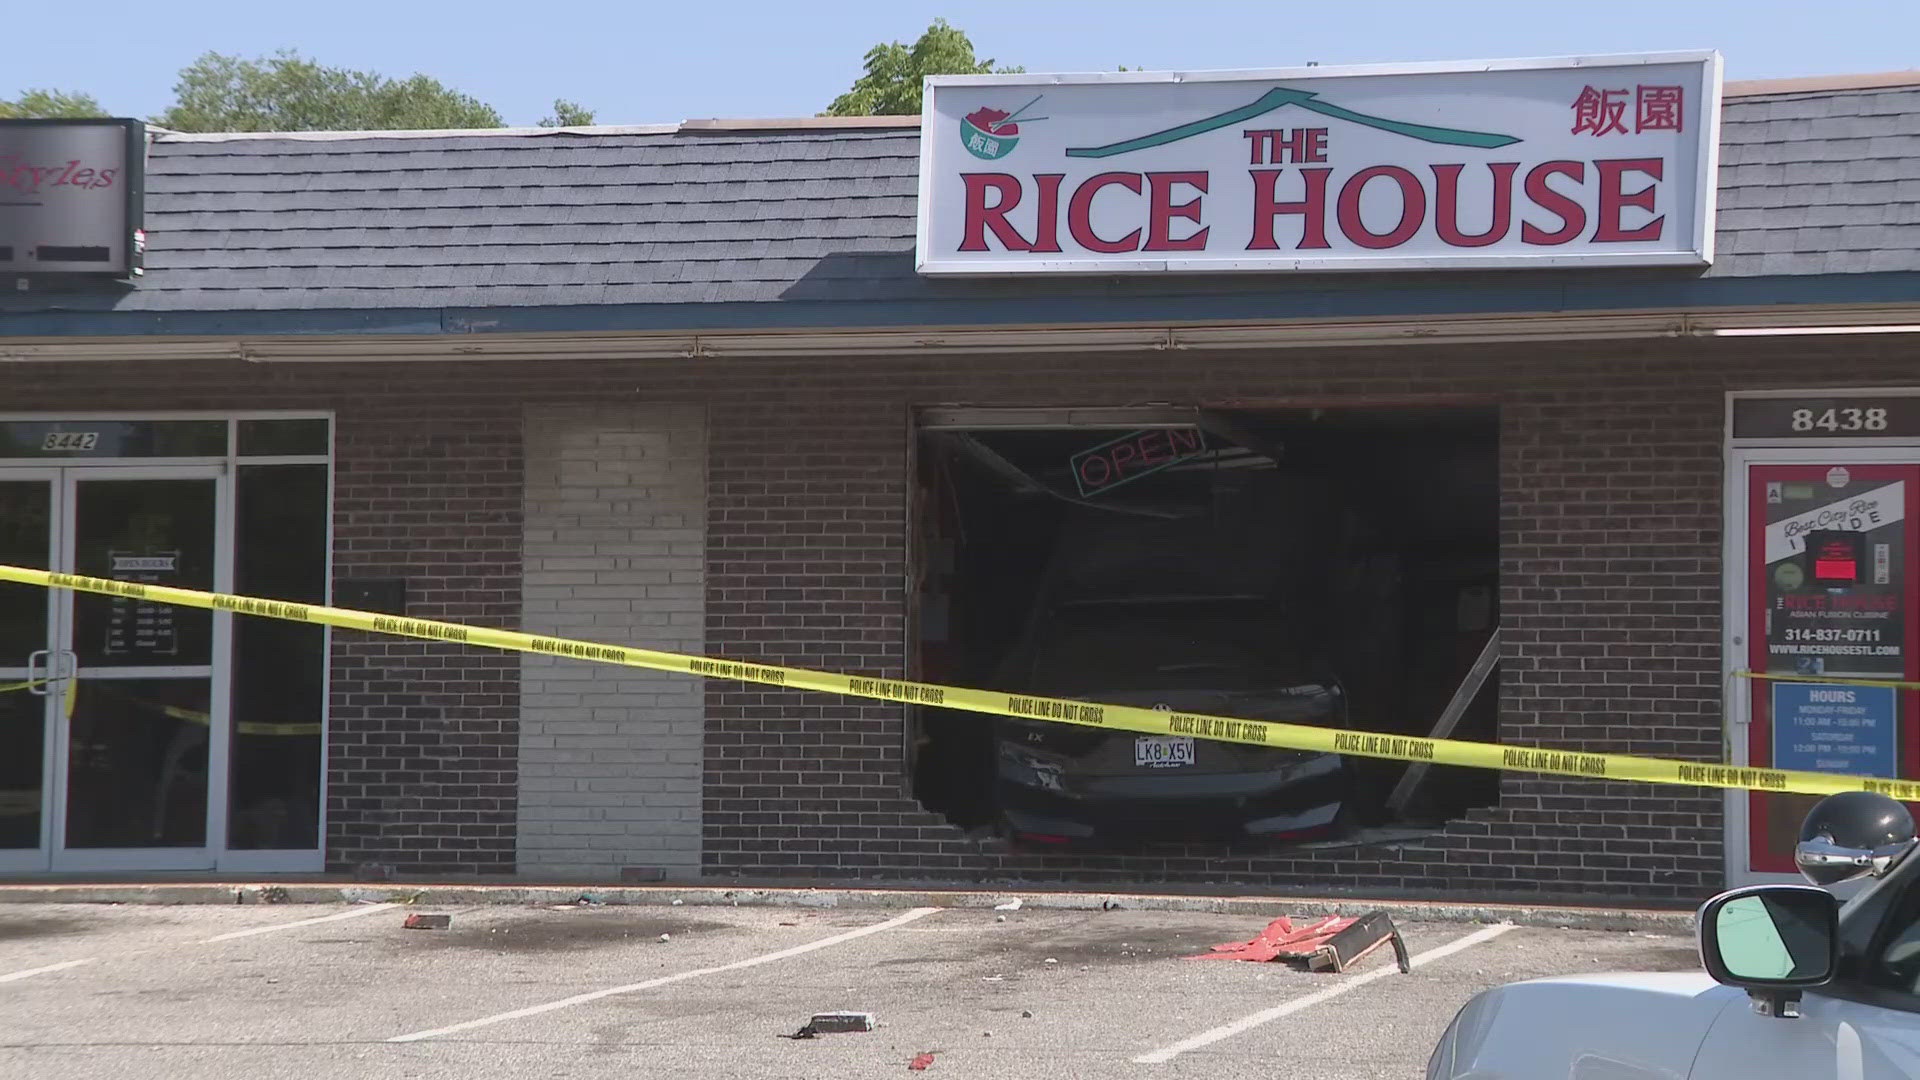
point(1772, 941)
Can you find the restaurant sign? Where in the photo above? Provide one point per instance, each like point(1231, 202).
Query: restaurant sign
point(1595, 161)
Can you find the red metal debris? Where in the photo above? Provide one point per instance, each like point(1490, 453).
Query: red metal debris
point(1280, 940)
point(1330, 943)
point(920, 1062)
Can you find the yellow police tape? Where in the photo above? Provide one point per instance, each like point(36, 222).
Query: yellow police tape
point(66, 699)
point(1088, 714)
point(175, 712)
point(244, 727)
point(1838, 680)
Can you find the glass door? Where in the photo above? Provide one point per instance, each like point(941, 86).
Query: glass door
point(29, 513)
point(1824, 587)
point(141, 743)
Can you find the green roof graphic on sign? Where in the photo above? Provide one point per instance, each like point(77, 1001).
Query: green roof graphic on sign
point(1281, 96)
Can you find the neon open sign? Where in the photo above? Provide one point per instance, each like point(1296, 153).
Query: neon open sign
point(1132, 456)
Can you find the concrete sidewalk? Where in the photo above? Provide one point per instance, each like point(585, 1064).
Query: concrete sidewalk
point(256, 892)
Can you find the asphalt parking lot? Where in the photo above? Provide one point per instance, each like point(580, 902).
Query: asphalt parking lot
point(514, 991)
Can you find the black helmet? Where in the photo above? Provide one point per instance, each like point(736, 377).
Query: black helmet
point(1853, 834)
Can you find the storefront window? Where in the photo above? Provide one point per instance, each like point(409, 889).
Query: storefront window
point(279, 671)
point(283, 438)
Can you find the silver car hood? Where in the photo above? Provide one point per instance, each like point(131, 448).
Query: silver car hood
point(1644, 1026)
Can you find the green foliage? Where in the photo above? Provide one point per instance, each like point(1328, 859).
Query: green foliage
point(568, 114)
point(50, 105)
point(894, 72)
point(287, 92)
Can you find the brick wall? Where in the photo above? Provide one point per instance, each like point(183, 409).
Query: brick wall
point(421, 771)
point(1611, 472)
point(610, 757)
point(1610, 534)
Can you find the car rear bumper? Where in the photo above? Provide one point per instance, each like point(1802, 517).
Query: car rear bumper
point(1300, 799)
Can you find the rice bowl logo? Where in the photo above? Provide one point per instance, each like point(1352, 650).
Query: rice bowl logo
point(990, 134)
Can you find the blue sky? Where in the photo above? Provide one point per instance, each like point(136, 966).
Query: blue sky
point(646, 62)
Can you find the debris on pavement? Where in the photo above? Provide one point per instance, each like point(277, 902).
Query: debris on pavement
point(417, 921)
point(920, 1062)
point(1330, 943)
point(1011, 905)
point(807, 1031)
point(666, 937)
point(828, 1023)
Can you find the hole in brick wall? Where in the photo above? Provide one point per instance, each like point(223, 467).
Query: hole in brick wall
point(1327, 566)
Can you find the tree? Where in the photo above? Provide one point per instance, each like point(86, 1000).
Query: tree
point(50, 105)
point(288, 92)
point(892, 83)
point(568, 114)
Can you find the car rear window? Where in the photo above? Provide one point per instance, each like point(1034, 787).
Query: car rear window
point(1133, 650)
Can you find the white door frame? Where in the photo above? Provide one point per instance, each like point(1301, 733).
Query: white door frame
point(52, 470)
point(217, 671)
point(15, 860)
point(1735, 607)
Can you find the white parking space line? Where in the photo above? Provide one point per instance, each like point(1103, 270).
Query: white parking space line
point(1247, 1023)
point(31, 972)
point(596, 995)
point(367, 909)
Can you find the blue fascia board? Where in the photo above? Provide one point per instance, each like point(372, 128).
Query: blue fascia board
point(1381, 301)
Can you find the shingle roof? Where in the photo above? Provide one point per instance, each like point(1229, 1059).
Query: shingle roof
point(1811, 182)
point(1820, 183)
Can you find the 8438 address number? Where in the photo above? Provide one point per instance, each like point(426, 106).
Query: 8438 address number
point(1874, 415)
point(1839, 420)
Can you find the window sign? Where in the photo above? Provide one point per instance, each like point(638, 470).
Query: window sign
point(1821, 727)
point(1829, 577)
point(1827, 612)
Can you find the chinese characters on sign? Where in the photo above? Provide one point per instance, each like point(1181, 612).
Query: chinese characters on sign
point(1603, 112)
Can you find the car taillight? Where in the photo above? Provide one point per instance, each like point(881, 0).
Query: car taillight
point(1043, 838)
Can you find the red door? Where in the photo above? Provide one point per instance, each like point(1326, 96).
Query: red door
point(1830, 579)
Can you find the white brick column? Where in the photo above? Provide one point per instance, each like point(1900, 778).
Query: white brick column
point(610, 758)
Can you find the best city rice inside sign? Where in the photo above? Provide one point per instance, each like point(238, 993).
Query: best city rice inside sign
point(1605, 161)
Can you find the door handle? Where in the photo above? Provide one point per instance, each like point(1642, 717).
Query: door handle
point(36, 685)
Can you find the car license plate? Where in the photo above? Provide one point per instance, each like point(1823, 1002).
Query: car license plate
point(1162, 751)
